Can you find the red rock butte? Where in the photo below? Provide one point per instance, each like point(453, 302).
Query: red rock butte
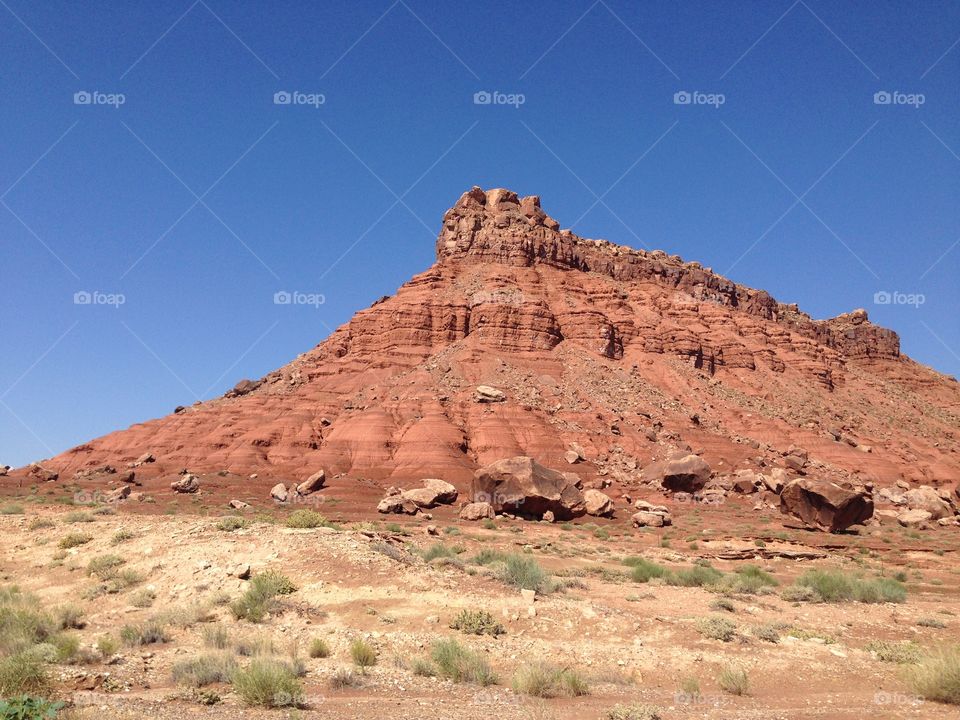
point(631, 355)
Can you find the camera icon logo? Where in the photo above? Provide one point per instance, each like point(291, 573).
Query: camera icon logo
point(82, 97)
point(282, 97)
point(682, 97)
point(881, 297)
point(482, 97)
point(882, 97)
point(282, 298)
point(82, 297)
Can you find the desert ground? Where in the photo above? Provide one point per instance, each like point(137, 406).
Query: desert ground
point(703, 619)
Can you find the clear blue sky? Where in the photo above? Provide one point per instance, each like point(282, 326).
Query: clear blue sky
point(799, 183)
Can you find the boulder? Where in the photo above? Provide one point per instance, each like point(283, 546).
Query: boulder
point(186, 483)
point(238, 505)
point(597, 504)
point(43, 474)
point(128, 476)
point(926, 498)
point(824, 504)
point(145, 458)
point(775, 480)
point(398, 504)
point(312, 483)
point(521, 486)
point(650, 519)
point(119, 494)
point(4, 469)
point(549, 517)
point(915, 518)
point(421, 497)
point(279, 492)
point(688, 473)
point(446, 493)
point(487, 394)
point(571, 456)
point(745, 482)
point(477, 511)
point(795, 462)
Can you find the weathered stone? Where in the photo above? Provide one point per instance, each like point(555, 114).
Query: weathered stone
point(313, 483)
point(279, 493)
point(521, 485)
point(477, 511)
point(186, 483)
point(826, 505)
point(597, 504)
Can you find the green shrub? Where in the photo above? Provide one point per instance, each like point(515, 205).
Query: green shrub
point(696, 576)
point(643, 570)
point(525, 573)
point(477, 622)
point(255, 645)
point(422, 667)
point(143, 598)
point(67, 646)
point(147, 633)
point(931, 623)
point(267, 683)
point(633, 712)
point(488, 556)
point(272, 582)
point(107, 645)
point(77, 516)
point(308, 519)
point(363, 654)
point(11, 509)
point(748, 580)
point(724, 605)
point(41, 524)
point(318, 648)
point(734, 681)
point(547, 681)
point(121, 536)
point(69, 617)
point(259, 598)
point(937, 676)
point(835, 586)
point(895, 652)
point(231, 523)
point(770, 632)
point(216, 636)
point(25, 707)
point(341, 678)
point(72, 540)
point(460, 664)
point(204, 670)
point(23, 673)
point(439, 550)
point(105, 567)
point(717, 628)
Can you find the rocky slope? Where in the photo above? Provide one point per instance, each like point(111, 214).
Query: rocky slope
point(630, 355)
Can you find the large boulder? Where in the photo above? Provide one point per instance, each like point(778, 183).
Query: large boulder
point(397, 504)
point(522, 486)
point(446, 493)
point(824, 504)
point(926, 498)
point(597, 504)
point(313, 483)
point(279, 493)
point(477, 511)
point(688, 473)
point(915, 518)
point(186, 483)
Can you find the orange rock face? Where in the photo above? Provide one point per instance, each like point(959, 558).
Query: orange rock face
point(633, 356)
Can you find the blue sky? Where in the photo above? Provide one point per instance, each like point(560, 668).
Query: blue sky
point(198, 198)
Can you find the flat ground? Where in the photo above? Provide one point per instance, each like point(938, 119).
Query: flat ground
point(633, 643)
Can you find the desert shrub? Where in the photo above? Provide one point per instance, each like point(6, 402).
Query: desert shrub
point(41, 524)
point(267, 683)
point(363, 654)
point(488, 556)
point(216, 636)
point(696, 576)
point(800, 593)
point(11, 509)
point(723, 605)
point(633, 712)
point(488, 524)
point(931, 623)
point(255, 645)
point(307, 519)
point(477, 622)
point(143, 598)
point(717, 628)
point(272, 582)
point(937, 676)
point(187, 615)
point(748, 580)
point(231, 523)
point(439, 550)
point(835, 586)
point(259, 598)
point(66, 646)
point(72, 540)
point(23, 623)
point(734, 681)
point(23, 673)
point(204, 670)
point(460, 664)
point(547, 681)
point(147, 633)
point(107, 645)
point(78, 516)
point(422, 667)
point(104, 510)
point(524, 573)
point(895, 652)
point(341, 678)
point(643, 570)
point(26, 707)
point(318, 648)
point(770, 632)
point(121, 536)
point(104, 567)
point(69, 617)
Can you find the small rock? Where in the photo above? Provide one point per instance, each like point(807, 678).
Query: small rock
point(279, 492)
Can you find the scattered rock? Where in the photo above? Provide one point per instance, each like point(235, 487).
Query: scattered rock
point(186, 483)
point(826, 505)
point(119, 494)
point(279, 492)
point(238, 505)
point(144, 459)
point(549, 517)
point(926, 498)
point(688, 473)
point(398, 504)
point(915, 518)
point(644, 518)
point(42, 474)
point(597, 504)
point(313, 483)
point(432, 530)
point(446, 493)
point(487, 394)
point(241, 571)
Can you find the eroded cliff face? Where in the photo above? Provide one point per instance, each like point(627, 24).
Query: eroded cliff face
point(631, 355)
